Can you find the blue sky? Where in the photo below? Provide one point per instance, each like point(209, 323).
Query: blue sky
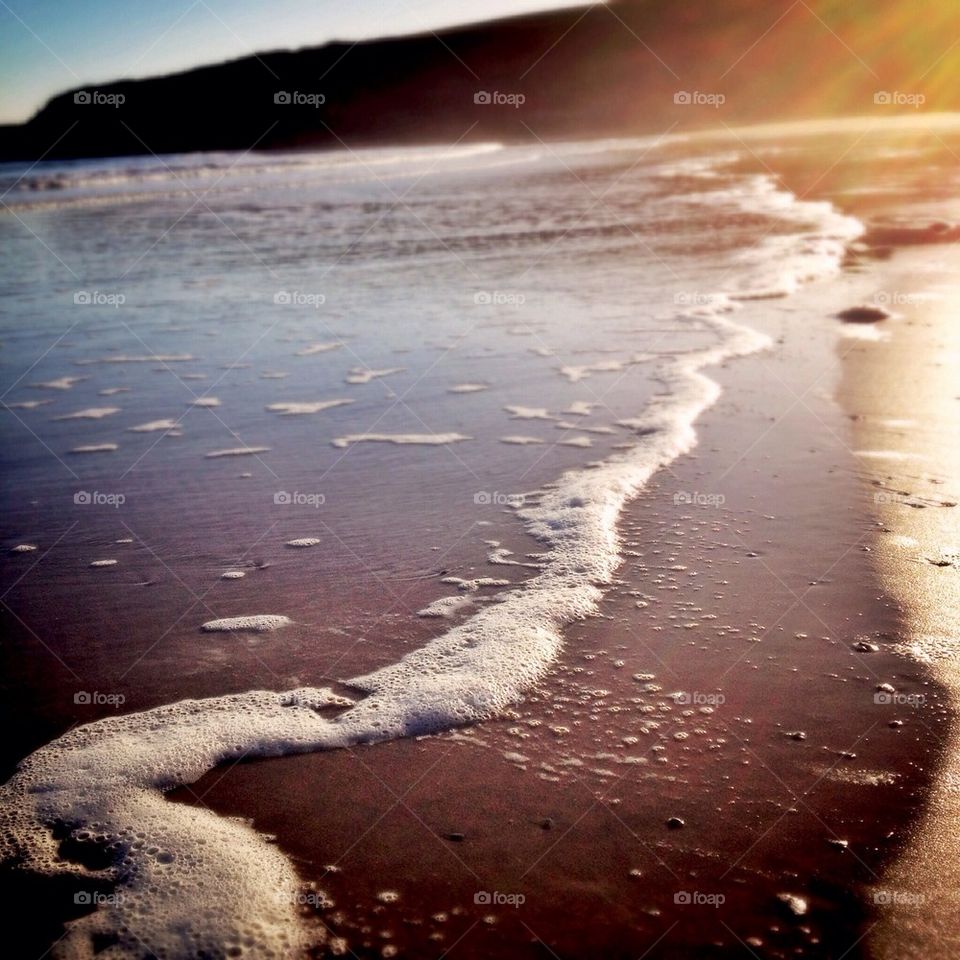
point(47, 46)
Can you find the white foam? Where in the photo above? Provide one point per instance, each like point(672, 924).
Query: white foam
point(468, 387)
point(521, 441)
point(63, 383)
point(24, 548)
point(364, 375)
point(294, 409)
point(112, 391)
point(103, 563)
point(315, 348)
point(27, 404)
point(236, 452)
point(232, 575)
point(304, 542)
point(154, 425)
point(205, 402)
point(528, 413)
point(138, 358)
point(90, 413)
point(108, 778)
point(258, 623)
point(428, 439)
point(96, 448)
point(583, 442)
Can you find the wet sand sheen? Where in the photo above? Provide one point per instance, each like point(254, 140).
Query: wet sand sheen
point(903, 394)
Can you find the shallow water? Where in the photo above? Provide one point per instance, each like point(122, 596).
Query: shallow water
point(585, 286)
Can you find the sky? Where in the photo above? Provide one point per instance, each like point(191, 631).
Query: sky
point(47, 46)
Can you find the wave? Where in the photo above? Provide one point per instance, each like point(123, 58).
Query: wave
point(103, 784)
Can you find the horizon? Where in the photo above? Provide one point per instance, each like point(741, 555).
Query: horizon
point(37, 62)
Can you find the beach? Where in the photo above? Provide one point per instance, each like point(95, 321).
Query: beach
point(597, 617)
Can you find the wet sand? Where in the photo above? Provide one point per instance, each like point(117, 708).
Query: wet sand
point(795, 787)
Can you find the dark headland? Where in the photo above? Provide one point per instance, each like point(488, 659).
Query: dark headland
point(618, 68)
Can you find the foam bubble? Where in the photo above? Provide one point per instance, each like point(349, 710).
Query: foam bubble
point(90, 413)
point(402, 439)
point(103, 563)
point(304, 542)
point(236, 452)
point(154, 425)
point(27, 404)
point(364, 375)
point(63, 383)
point(468, 387)
point(294, 409)
point(138, 358)
point(315, 348)
point(528, 413)
point(258, 623)
point(96, 448)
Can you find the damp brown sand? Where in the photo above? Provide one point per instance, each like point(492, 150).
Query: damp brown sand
point(730, 698)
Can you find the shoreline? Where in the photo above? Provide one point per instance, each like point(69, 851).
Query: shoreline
point(797, 820)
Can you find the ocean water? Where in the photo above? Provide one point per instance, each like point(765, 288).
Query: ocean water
point(405, 393)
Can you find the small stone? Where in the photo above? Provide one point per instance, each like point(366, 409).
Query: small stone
point(864, 646)
point(455, 837)
point(675, 823)
point(797, 735)
point(547, 823)
point(839, 844)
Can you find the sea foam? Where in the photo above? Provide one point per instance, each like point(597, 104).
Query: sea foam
point(102, 784)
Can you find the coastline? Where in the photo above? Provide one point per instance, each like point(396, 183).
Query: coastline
point(792, 832)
